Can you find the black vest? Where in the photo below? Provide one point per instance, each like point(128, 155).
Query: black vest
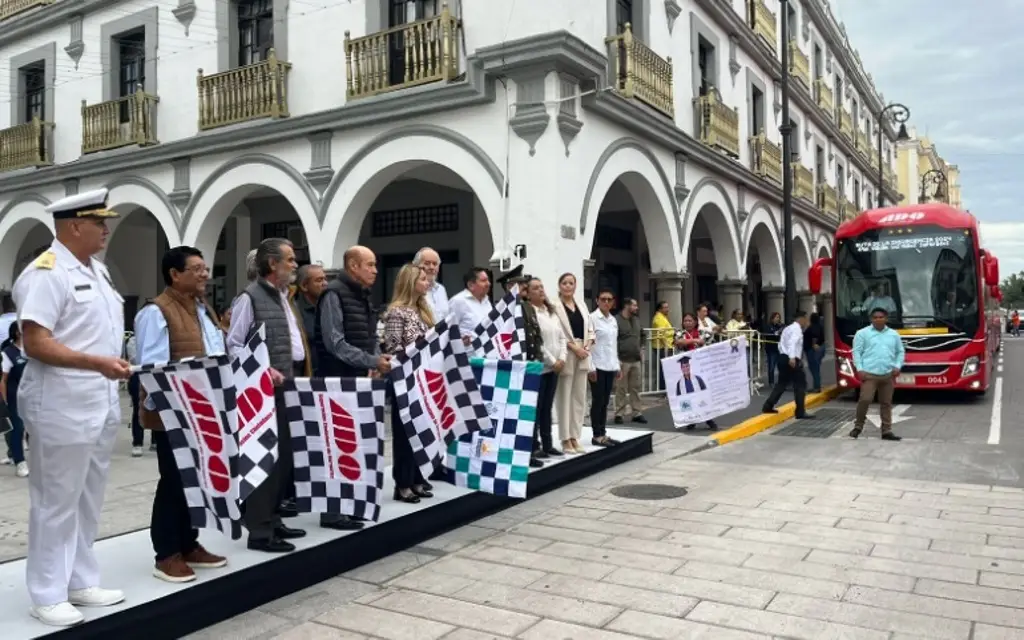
point(14, 375)
point(359, 322)
point(534, 347)
point(268, 309)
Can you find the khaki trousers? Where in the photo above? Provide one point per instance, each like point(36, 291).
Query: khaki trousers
point(571, 399)
point(627, 390)
point(883, 387)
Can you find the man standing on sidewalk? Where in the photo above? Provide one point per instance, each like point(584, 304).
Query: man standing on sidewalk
point(631, 344)
point(791, 368)
point(877, 357)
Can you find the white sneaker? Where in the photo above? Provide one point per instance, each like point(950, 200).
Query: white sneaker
point(136, 452)
point(22, 470)
point(58, 615)
point(6, 460)
point(95, 597)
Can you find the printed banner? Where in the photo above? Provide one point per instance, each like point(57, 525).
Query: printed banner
point(707, 382)
point(257, 414)
point(502, 334)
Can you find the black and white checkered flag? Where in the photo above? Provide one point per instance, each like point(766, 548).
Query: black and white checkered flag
point(196, 401)
point(437, 395)
point(257, 413)
point(502, 334)
point(337, 427)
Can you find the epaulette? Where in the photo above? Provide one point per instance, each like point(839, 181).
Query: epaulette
point(45, 260)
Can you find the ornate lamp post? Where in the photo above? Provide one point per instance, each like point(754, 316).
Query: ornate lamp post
point(898, 114)
point(786, 129)
point(939, 180)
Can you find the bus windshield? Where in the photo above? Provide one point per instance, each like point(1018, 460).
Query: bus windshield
point(924, 276)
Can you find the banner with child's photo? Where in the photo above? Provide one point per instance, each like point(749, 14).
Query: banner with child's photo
point(708, 382)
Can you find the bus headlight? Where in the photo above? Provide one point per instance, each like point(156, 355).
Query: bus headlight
point(971, 366)
point(845, 367)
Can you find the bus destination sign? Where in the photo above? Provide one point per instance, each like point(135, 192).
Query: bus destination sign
point(907, 242)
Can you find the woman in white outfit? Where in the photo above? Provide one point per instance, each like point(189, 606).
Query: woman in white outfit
point(571, 394)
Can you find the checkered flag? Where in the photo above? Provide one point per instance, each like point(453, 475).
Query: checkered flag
point(337, 427)
point(502, 334)
point(196, 401)
point(437, 395)
point(498, 460)
point(257, 413)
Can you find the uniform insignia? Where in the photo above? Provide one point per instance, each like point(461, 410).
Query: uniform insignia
point(46, 260)
point(83, 287)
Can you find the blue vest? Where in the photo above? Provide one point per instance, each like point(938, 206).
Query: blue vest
point(14, 375)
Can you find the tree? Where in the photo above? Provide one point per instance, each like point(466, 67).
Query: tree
point(1013, 290)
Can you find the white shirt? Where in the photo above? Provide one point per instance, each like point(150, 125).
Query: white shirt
point(555, 345)
point(241, 323)
point(791, 343)
point(437, 298)
point(6, 320)
point(468, 311)
point(5, 363)
point(604, 355)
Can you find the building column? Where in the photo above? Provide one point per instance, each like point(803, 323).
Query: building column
point(730, 293)
point(805, 302)
point(775, 301)
point(669, 287)
point(827, 320)
point(242, 245)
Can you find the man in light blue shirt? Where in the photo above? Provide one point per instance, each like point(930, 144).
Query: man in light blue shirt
point(429, 261)
point(877, 357)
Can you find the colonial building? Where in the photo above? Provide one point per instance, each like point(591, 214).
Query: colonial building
point(924, 175)
point(634, 143)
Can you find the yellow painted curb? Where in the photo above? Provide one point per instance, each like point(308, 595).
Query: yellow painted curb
point(759, 423)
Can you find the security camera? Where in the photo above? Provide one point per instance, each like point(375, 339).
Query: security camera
point(519, 251)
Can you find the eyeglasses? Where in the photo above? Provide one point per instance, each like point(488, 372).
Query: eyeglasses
point(605, 299)
point(199, 269)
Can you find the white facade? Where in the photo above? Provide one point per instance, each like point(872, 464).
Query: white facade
point(526, 138)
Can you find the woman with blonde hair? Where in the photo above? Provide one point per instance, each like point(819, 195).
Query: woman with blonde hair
point(571, 393)
point(407, 319)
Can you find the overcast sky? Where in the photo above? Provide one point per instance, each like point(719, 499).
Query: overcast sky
point(957, 66)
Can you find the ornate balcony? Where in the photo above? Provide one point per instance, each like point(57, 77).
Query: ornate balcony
point(767, 158)
point(846, 209)
point(823, 96)
point(763, 22)
point(26, 145)
point(803, 180)
point(10, 8)
point(718, 124)
point(890, 177)
point(828, 201)
point(845, 124)
point(799, 65)
point(247, 93)
point(863, 144)
point(411, 54)
point(119, 123)
point(640, 73)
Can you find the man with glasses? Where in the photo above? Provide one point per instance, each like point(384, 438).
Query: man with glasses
point(877, 357)
point(604, 366)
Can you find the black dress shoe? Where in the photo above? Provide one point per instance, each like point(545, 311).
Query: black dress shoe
point(287, 533)
point(806, 416)
point(423, 492)
point(427, 486)
point(855, 432)
point(768, 410)
point(639, 419)
point(271, 545)
point(412, 498)
point(287, 509)
point(540, 453)
point(535, 463)
point(618, 419)
point(340, 522)
point(553, 452)
point(889, 435)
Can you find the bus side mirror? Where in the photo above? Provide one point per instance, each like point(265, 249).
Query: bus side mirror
point(996, 293)
point(815, 274)
point(991, 270)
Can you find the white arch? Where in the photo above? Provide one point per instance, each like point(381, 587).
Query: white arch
point(218, 199)
point(14, 228)
point(641, 179)
point(710, 201)
point(824, 247)
point(761, 235)
point(346, 211)
point(127, 198)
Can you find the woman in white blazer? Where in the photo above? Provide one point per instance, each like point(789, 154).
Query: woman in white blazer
point(571, 394)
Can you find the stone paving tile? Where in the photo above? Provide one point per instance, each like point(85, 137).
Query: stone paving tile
point(832, 573)
point(610, 556)
point(1006, 541)
point(941, 607)
point(625, 507)
point(609, 525)
point(379, 623)
point(766, 580)
point(665, 524)
point(868, 508)
point(320, 598)
point(801, 542)
point(314, 631)
point(430, 581)
point(551, 630)
point(680, 551)
point(990, 632)
point(457, 613)
point(1001, 580)
point(885, 565)
point(546, 605)
point(930, 503)
point(753, 520)
point(517, 542)
point(784, 550)
point(768, 512)
point(693, 587)
point(560, 534)
point(1003, 511)
point(971, 593)
point(248, 626)
point(988, 551)
point(664, 628)
point(647, 599)
point(779, 624)
point(549, 562)
point(1009, 521)
point(458, 538)
point(887, 528)
point(390, 567)
point(476, 570)
point(948, 560)
point(472, 634)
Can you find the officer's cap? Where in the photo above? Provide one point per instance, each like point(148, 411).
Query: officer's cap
point(91, 204)
point(515, 276)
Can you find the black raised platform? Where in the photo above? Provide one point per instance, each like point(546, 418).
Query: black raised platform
point(156, 610)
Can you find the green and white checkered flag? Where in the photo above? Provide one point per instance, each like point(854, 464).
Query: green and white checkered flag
point(498, 460)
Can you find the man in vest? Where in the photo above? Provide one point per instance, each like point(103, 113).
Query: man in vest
point(309, 284)
point(345, 335)
point(265, 301)
point(178, 324)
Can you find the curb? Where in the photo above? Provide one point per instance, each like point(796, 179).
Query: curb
point(757, 424)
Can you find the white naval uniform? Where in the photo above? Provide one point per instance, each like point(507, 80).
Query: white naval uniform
point(72, 416)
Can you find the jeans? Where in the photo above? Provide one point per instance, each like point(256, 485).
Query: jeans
point(814, 357)
point(138, 434)
point(772, 361)
point(16, 436)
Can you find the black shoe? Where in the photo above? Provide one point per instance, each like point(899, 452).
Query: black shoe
point(287, 533)
point(551, 451)
point(889, 435)
point(412, 498)
point(340, 522)
point(427, 486)
point(535, 463)
point(691, 427)
point(287, 509)
point(422, 492)
point(271, 545)
point(618, 419)
point(540, 453)
point(855, 432)
point(768, 410)
point(639, 419)
point(806, 416)
point(712, 425)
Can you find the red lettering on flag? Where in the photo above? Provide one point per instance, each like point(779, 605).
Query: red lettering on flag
point(438, 391)
point(343, 432)
point(504, 343)
point(250, 403)
point(210, 437)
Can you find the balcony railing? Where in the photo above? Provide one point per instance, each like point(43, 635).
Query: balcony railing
point(767, 158)
point(803, 180)
point(890, 177)
point(799, 65)
point(119, 123)
point(846, 124)
point(26, 145)
point(863, 144)
point(761, 19)
point(718, 123)
point(404, 56)
point(254, 91)
point(9, 8)
point(847, 211)
point(823, 96)
point(640, 73)
point(828, 201)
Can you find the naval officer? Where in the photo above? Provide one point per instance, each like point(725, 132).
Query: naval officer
point(72, 322)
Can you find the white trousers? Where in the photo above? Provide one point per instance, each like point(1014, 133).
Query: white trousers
point(66, 489)
point(571, 400)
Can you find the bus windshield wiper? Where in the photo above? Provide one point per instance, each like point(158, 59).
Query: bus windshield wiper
point(949, 325)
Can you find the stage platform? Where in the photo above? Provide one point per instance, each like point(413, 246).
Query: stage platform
point(157, 610)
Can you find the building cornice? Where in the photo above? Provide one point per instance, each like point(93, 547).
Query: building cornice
point(56, 14)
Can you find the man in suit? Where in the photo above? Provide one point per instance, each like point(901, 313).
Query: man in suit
point(689, 383)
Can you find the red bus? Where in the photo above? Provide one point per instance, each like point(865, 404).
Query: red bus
point(924, 264)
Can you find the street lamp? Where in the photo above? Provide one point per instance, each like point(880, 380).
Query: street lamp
point(941, 183)
point(899, 115)
point(786, 129)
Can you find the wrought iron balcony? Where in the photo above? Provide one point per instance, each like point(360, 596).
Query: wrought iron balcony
point(799, 65)
point(803, 181)
point(863, 144)
point(26, 145)
point(823, 96)
point(764, 23)
point(640, 73)
point(119, 123)
point(846, 124)
point(10, 8)
point(411, 54)
point(718, 123)
point(828, 201)
point(247, 93)
point(767, 158)
point(846, 209)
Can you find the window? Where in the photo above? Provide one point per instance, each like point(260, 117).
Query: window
point(839, 91)
point(793, 26)
point(819, 164)
point(132, 68)
point(255, 31)
point(840, 179)
point(819, 70)
point(856, 194)
point(35, 91)
point(794, 140)
point(706, 63)
point(623, 15)
point(756, 111)
point(403, 12)
point(855, 113)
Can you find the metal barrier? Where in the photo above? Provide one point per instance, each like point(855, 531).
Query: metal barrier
point(658, 344)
